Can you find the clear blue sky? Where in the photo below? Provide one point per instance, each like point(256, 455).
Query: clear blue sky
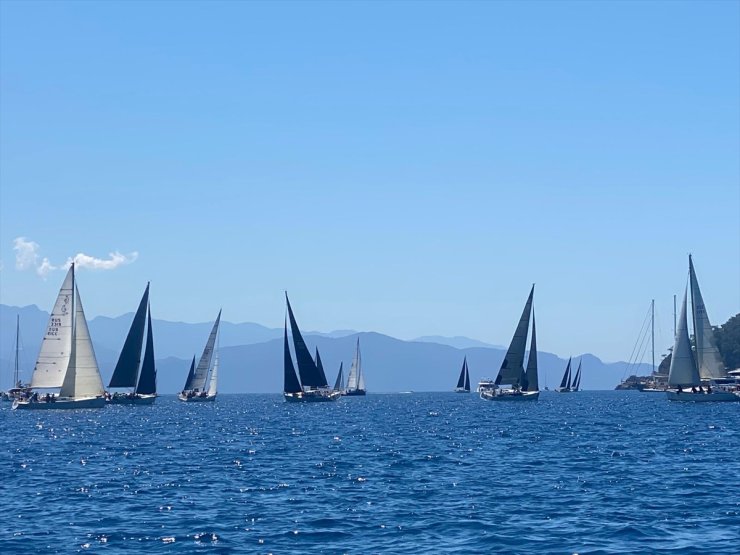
point(408, 168)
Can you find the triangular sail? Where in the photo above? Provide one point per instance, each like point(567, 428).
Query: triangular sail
point(577, 379)
point(356, 380)
point(213, 382)
point(127, 368)
point(531, 378)
point(461, 379)
point(290, 379)
point(512, 368)
point(338, 384)
point(201, 371)
point(683, 371)
point(319, 365)
point(56, 346)
point(311, 375)
point(565, 382)
point(191, 375)
point(467, 376)
point(147, 384)
point(708, 358)
point(82, 378)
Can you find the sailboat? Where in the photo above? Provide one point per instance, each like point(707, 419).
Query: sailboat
point(524, 384)
point(18, 390)
point(576, 385)
point(356, 378)
point(565, 382)
point(312, 385)
point(128, 374)
point(66, 359)
point(463, 382)
point(339, 383)
point(195, 389)
point(701, 370)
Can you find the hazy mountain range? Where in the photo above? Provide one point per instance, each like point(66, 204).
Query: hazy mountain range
point(252, 355)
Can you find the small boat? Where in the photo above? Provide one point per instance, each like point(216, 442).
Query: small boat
point(356, 378)
point(66, 359)
point(463, 382)
point(140, 378)
point(19, 390)
point(565, 382)
point(195, 390)
point(312, 386)
point(697, 376)
point(524, 384)
point(484, 384)
point(339, 382)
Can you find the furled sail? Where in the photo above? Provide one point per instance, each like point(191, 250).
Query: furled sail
point(127, 368)
point(201, 371)
point(147, 384)
point(311, 375)
point(512, 368)
point(683, 371)
point(708, 358)
point(56, 346)
point(82, 378)
point(532, 382)
point(339, 383)
point(290, 379)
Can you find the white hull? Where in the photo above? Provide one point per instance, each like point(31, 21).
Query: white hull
point(61, 403)
point(312, 396)
point(197, 398)
point(699, 397)
point(461, 390)
point(509, 395)
point(126, 400)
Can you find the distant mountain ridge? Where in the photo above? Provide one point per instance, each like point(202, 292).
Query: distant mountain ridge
point(251, 355)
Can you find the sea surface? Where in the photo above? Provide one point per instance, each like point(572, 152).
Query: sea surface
point(591, 472)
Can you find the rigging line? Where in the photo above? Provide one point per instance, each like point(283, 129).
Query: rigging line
point(643, 332)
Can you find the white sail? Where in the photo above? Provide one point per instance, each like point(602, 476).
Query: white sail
point(683, 371)
point(355, 379)
point(82, 378)
point(201, 372)
point(56, 346)
point(707, 354)
point(212, 384)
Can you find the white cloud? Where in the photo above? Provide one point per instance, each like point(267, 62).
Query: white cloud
point(27, 257)
point(26, 253)
point(116, 259)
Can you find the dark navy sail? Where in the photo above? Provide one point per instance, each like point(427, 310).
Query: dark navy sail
point(531, 380)
point(311, 375)
point(127, 368)
point(339, 384)
point(577, 379)
point(148, 377)
point(290, 380)
point(512, 368)
point(461, 379)
point(191, 376)
point(467, 377)
point(319, 366)
point(565, 382)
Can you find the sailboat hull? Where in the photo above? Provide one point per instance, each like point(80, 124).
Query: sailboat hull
point(461, 390)
point(197, 398)
point(138, 400)
point(355, 392)
point(508, 395)
point(313, 396)
point(61, 403)
point(699, 397)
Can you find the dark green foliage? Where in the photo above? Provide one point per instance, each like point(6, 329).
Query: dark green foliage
point(728, 341)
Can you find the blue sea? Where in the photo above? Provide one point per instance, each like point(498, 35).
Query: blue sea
point(592, 472)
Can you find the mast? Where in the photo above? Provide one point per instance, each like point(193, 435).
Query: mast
point(461, 379)
point(311, 375)
point(652, 328)
point(674, 316)
point(17, 337)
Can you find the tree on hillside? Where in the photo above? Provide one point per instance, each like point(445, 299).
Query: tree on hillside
point(728, 342)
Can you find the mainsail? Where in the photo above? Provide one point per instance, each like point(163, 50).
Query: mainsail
point(565, 382)
point(683, 371)
point(531, 380)
point(82, 378)
point(512, 368)
point(213, 382)
point(577, 379)
point(356, 380)
point(201, 371)
point(463, 373)
point(311, 375)
point(127, 368)
point(147, 384)
point(290, 379)
point(467, 375)
point(53, 358)
point(708, 358)
point(339, 384)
